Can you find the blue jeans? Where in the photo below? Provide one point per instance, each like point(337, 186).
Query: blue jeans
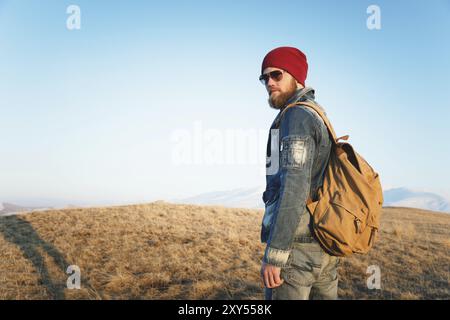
point(311, 274)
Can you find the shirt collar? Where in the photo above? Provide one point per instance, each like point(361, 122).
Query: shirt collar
point(301, 95)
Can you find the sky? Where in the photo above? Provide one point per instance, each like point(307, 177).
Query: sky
point(156, 100)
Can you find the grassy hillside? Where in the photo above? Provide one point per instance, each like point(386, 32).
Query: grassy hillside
point(171, 251)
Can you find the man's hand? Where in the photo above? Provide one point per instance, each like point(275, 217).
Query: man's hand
point(271, 276)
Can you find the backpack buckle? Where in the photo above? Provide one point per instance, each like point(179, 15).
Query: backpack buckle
point(358, 225)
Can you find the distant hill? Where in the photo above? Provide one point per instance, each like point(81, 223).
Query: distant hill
point(162, 250)
point(10, 208)
point(252, 198)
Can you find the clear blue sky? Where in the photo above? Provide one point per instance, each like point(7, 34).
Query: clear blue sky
point(90, 115)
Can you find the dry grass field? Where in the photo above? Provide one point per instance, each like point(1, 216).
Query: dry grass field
point(173, 251)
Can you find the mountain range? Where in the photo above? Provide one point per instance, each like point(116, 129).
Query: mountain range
point(252, 198)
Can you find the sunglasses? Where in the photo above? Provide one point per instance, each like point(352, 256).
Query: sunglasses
point(276, 75)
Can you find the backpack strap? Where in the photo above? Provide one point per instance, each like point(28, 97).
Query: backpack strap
point(325, 120)
point(321, 114)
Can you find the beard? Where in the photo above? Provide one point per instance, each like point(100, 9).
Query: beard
point(280, 100)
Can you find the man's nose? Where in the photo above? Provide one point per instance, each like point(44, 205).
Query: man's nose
point(270, 82)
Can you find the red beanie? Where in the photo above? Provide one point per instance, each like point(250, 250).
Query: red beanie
point(289, 59)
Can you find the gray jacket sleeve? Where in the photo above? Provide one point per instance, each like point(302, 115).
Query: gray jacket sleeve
point(298, 135)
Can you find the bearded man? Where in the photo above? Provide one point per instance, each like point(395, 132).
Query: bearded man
point(294, 265)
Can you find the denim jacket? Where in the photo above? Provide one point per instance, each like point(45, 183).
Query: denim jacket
point(298, 151)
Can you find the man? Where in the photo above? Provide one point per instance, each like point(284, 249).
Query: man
point(294, 265)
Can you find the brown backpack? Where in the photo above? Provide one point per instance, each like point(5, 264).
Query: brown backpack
point(346, 216)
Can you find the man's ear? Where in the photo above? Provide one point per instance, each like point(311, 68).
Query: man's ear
point(299, 85)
